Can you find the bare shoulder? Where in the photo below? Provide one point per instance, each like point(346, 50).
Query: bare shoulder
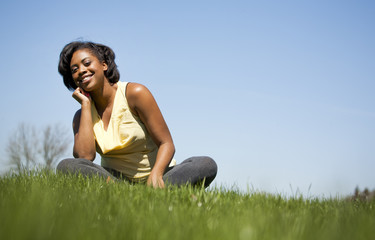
point(135, 90)
point(136, 94)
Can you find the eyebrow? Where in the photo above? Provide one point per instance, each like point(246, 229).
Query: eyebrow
point(75, 65)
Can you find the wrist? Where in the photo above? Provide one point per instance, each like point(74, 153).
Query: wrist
point(156, 173)
point(86, 104)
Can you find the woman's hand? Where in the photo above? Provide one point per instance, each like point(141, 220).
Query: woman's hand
point(155, 180)
point(81, 96)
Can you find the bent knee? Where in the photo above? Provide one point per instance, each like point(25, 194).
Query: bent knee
point(65, 164)
point(210, 165)
point(71, 164)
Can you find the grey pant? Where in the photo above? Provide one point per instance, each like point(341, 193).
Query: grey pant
point(194, 170)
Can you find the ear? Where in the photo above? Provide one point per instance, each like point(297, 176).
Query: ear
point(105, 66)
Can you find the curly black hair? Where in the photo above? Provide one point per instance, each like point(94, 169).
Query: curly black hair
point(102, 52)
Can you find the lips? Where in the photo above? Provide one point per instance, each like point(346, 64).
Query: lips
point(86, 78)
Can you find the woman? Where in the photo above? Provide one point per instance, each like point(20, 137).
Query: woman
point(123, 123)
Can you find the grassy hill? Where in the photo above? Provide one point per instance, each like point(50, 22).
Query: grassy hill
point(43, 205)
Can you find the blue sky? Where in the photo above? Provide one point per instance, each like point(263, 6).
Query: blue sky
point(279, 93)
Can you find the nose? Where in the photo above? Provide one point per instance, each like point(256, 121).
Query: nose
point(82, 70)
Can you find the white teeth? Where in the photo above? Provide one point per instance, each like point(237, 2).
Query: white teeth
point(86, 78)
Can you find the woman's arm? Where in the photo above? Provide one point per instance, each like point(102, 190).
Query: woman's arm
point(84, 141)
point(142, 103)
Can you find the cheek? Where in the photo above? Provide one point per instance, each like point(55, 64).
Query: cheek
point(74, 77)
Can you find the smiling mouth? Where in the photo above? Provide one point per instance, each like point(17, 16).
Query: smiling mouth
point(86, 78)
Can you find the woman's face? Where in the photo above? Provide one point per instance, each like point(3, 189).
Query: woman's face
point(87, 70)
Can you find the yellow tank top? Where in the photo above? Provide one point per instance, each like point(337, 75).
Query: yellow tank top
point(126, 146)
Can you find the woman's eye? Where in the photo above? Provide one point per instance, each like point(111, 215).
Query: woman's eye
point(87, 63)
point(74, 70)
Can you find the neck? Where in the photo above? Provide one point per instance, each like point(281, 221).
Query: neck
point(104, 96)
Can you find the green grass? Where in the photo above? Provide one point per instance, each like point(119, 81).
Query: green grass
point(44, 205)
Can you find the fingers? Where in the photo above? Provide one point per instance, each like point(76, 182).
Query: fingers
point(155, 182)
point(80, 95)
point(161, 184)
